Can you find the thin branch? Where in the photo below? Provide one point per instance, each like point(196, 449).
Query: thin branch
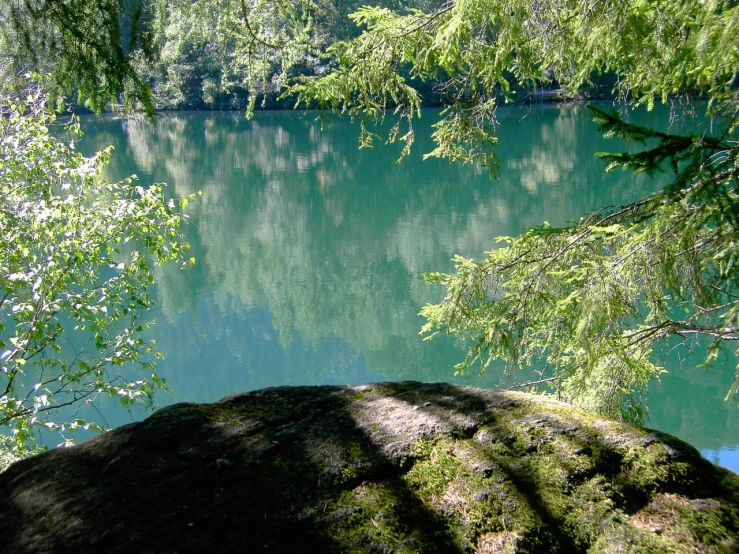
point(532, 383)
point(251, 32)
point(426, 20)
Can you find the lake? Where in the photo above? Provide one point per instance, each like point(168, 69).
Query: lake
point(310, 251)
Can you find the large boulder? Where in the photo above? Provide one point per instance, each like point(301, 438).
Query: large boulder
point(395, 467)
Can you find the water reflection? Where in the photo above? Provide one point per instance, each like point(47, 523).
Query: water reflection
point(310, 251)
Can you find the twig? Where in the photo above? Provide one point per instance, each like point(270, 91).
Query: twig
point(532, 383)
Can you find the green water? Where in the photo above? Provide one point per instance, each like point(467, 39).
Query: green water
point(309, 251)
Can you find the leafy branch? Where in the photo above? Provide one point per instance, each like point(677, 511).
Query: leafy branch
point(597, 299)
point(76, 268)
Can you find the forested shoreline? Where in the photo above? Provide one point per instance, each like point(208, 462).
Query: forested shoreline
point(196, 59)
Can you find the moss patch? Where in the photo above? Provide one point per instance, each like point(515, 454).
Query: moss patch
point(404, 467)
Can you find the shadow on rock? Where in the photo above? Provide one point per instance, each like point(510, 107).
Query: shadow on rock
point(395, 467)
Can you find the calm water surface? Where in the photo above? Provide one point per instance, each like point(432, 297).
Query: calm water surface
point(310, 251)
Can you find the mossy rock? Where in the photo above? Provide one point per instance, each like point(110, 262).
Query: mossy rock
point(394, 467)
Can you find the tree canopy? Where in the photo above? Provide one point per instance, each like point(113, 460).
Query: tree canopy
point(595, 301)
point(76, 257)
point(93, 47)
point(655, 50)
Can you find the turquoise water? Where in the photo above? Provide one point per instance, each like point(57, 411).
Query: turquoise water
point(309, 251)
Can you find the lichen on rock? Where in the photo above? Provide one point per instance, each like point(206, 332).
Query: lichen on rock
point(392, 467)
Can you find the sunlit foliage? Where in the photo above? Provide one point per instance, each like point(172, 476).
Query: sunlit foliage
point(76, 257)
point(594, 301)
